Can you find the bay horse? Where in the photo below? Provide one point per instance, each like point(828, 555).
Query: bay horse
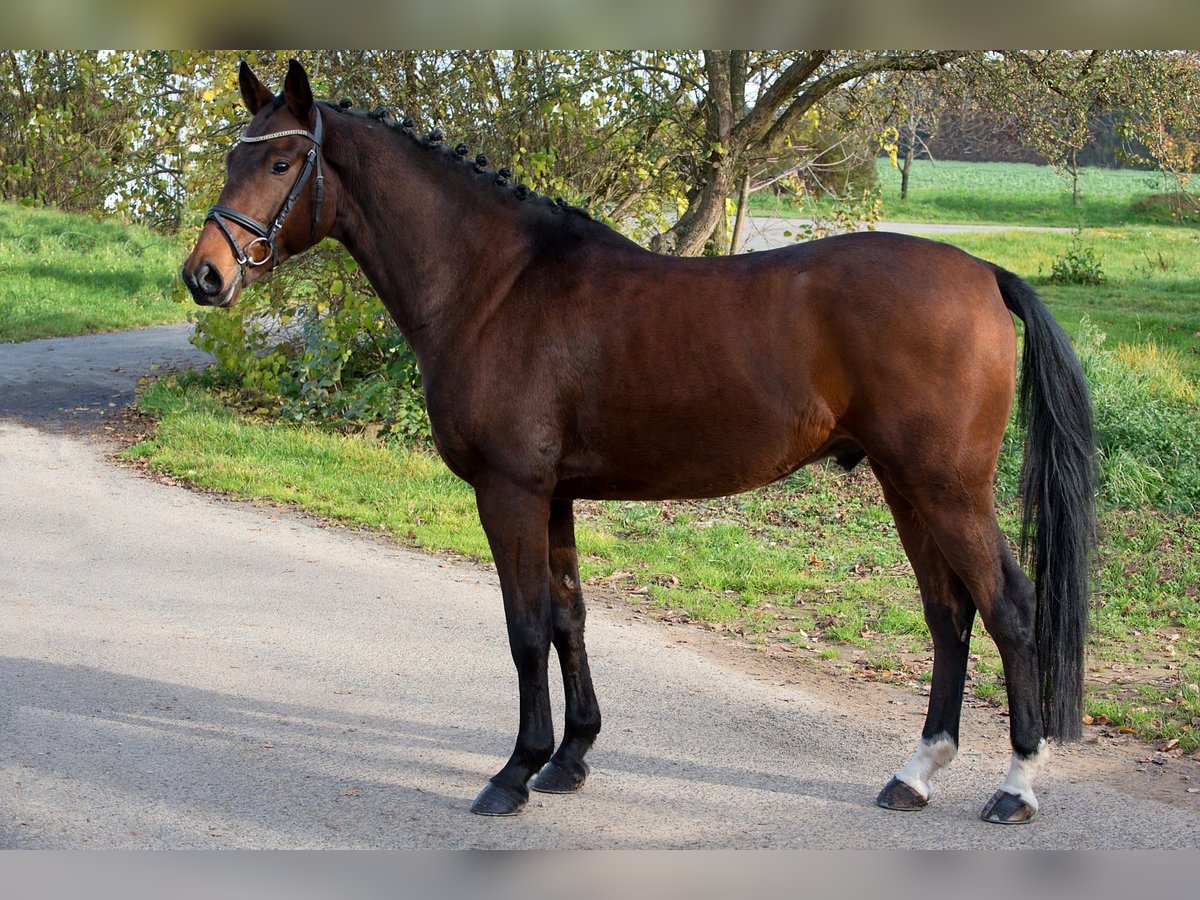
point(562, 361)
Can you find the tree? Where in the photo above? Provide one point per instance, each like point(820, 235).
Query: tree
point(748, 104)
point(1058, 95)
point(1163, 116)
point(919, 99)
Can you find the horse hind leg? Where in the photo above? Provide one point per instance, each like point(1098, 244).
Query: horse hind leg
point(950, 614)
point(1011, 620)
point(962, 522)
point(566, 771)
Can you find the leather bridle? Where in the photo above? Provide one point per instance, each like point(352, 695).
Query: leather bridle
point(222, 215)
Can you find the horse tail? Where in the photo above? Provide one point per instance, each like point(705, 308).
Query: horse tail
point(1058, 493)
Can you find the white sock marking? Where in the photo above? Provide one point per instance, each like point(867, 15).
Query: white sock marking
point(1021, 774)
point(931, 755)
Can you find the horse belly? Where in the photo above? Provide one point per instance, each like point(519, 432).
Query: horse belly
point(672, 455)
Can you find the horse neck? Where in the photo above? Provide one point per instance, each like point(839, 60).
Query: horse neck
point(435, 245)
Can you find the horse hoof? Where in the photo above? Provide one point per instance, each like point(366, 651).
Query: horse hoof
point(1007, 809)
point(896, 794)
point(494, 800)
point(554, 779)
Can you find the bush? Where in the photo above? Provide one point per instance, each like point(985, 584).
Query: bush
point(1079, 265)
point(315, 344)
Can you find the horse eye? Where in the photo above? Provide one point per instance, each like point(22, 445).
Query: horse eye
point(280, 167)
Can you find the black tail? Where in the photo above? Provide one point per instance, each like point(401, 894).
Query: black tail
point(1058, 522)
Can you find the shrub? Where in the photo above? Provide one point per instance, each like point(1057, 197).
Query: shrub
point(315, 344)
point(1079, 265)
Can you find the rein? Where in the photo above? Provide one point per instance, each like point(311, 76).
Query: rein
point(222, 215)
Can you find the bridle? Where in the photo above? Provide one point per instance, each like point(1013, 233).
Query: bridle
point(222, 215)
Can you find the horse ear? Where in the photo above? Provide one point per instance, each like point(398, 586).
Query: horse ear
point(296, 91)
point(254, 94)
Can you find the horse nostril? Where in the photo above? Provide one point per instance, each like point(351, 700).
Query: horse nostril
point(209, 280)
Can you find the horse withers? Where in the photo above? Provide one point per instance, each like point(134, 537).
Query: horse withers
point(562, 361)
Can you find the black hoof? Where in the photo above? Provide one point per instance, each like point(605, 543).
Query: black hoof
point(898, 795)
point(494, 800)
point(554, 779)
point(1007, 809)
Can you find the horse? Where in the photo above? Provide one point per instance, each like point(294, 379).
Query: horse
point(563, 361)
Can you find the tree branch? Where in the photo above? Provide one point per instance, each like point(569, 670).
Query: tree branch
point(824, 85)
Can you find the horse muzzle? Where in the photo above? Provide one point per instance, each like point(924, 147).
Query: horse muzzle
point(208, 286)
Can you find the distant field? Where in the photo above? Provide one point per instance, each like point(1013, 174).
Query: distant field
point(1006, 193)
point(64, 274)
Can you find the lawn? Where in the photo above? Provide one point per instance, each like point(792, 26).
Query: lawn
point(64, 274)
point(1004, 193)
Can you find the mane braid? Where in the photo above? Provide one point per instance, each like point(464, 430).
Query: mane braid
point(449, 154)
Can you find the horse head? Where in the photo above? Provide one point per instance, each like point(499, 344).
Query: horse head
point(277, 201)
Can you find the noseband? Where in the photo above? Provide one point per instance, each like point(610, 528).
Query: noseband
point(222, 215)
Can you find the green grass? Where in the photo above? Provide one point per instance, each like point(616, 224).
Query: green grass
point(65, 274)
point(1003, 193)
point(411, 495)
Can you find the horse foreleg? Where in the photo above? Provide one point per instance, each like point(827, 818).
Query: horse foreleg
point(566, 770)
point(516, 525)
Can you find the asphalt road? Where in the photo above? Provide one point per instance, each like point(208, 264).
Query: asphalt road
point(63, 382)
point(179, 670)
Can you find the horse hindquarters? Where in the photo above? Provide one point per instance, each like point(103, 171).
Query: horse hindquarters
point(935, 449)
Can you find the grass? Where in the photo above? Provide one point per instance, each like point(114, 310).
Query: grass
point(1004, 193)
point(64, 274)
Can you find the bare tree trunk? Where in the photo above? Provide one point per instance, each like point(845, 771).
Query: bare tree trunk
point(720, 236)
point(1074, 177)
point(735, 245)
point(908, 158)
point(706, 213)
